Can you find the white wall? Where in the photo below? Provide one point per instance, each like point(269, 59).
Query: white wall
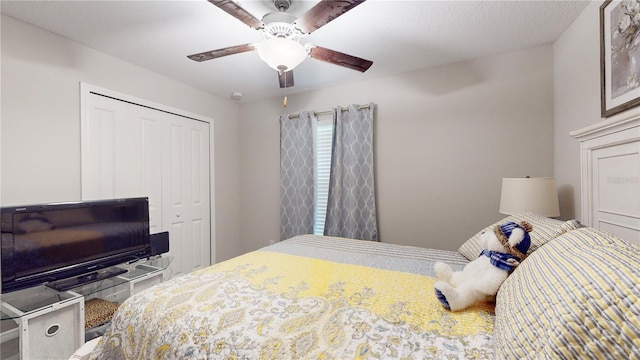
point(40, 126)
point(444, 139)
point(577, 101)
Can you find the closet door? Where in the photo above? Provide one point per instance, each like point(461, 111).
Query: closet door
point(139, 164)
point(130, 150)
point(186, 198)
point(101, 127)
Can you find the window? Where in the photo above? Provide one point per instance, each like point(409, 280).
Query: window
point(324, 137)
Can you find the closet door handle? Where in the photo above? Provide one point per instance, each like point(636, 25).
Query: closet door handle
point(177, 215)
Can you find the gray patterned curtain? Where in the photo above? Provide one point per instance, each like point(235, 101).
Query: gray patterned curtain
point(351, 209)
point(296, 175)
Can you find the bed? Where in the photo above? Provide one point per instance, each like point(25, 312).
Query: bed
point(313, 297)
point(577, 295)
point(306, 297)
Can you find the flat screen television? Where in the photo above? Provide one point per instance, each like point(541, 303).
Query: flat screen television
point(50, 242)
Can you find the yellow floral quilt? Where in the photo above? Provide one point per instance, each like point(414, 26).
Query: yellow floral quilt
point(295, 301)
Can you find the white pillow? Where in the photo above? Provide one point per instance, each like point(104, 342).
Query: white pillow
point(544, 230)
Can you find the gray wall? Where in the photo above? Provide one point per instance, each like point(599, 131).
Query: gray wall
point(577, 101)
point(445, 137)
point(40, 124)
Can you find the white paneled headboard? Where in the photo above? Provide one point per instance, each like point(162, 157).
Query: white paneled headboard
point(610, 166)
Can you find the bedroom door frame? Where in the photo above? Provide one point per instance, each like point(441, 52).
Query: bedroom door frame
point(85, 92)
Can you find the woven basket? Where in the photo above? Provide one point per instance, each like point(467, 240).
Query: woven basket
point(98, 311)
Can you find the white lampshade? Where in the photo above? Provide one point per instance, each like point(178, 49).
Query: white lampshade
point(538, 195)
point(281, 54)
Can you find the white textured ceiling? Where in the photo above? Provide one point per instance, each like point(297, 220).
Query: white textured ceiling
point(398, 36)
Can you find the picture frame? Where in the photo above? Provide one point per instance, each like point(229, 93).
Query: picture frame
point(619, 56)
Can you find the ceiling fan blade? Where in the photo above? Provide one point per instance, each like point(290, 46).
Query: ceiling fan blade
point(285, 78)
point(238, 12)
point(338, 58)
point(324, 12)
point(208, 55)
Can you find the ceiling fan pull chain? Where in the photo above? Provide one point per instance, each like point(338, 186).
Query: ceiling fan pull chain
point(284, 102)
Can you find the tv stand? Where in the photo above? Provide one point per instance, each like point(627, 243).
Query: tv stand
point(73, 282)
point(41, 322)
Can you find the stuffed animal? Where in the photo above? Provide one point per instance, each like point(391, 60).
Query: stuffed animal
point(504, 248)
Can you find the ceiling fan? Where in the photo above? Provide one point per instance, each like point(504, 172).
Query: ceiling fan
point(281, 33)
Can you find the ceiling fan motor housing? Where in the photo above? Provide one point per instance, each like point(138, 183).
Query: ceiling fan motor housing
point(280, 25)
point(282, 5)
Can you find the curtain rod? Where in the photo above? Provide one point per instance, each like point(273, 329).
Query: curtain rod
point(327, 112)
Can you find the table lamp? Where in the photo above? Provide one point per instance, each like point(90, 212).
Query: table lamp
point(538, 195)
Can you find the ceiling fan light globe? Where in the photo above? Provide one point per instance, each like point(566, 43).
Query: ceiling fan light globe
point(281, 53)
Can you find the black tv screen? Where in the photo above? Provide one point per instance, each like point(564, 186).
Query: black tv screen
point(49, 242)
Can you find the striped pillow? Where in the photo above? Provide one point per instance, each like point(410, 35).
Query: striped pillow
point(544, 230)
point(578, 297)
